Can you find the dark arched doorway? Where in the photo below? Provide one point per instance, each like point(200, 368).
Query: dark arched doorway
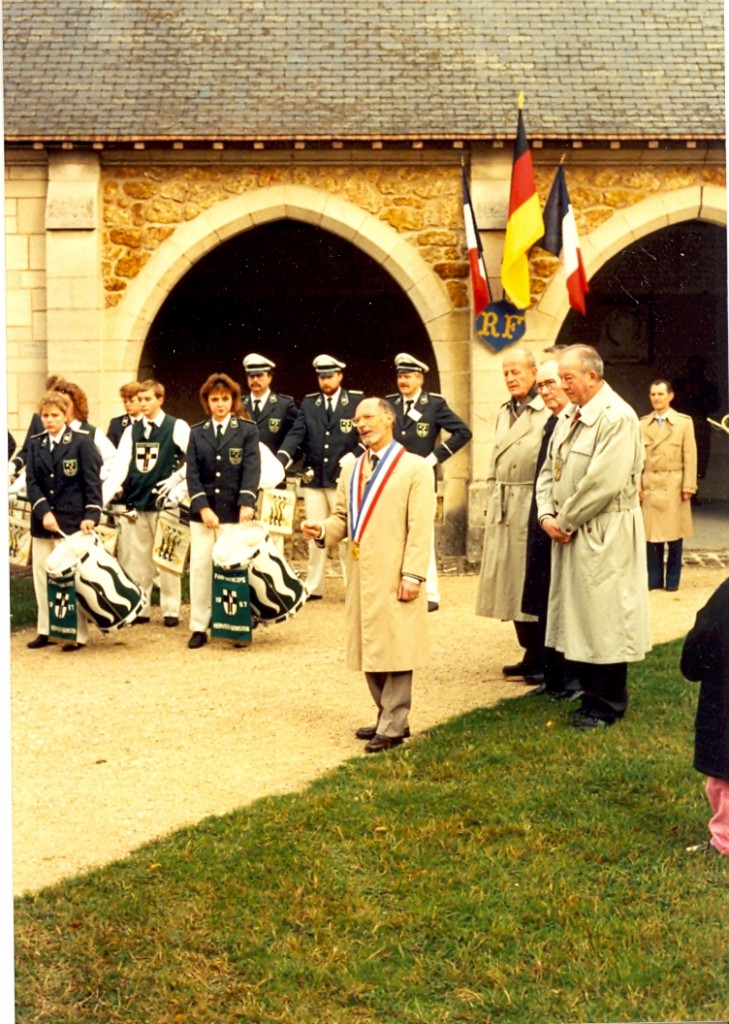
point(291, 291)
point(657, 302)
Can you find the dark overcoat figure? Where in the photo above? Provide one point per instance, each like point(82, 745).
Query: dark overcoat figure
point(705, 659)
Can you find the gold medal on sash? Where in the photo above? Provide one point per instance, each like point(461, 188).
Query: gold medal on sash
point(557, 470)
point(354, 550)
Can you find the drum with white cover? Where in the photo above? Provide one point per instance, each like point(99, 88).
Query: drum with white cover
point(104, 591)
point(276, 592)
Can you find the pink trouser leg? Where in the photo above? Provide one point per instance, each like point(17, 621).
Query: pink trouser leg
point(717, 791)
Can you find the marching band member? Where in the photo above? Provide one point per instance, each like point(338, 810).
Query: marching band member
point(420, 418)
point(273, 413)
point(324, 431)
point(149, 462)
point(129, 394)
point(223, 472)
point(78, 419)
point(64, 488)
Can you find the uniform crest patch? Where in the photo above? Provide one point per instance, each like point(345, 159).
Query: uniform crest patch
point(236, 456)
point(346, 426)
point(422, 429)
point(70, 467)
point(274, 425)
point(146, 454)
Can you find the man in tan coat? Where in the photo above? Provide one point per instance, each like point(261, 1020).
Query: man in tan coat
point(517, 440)
point(385, 504)
point(587, 503)
point(668, 483)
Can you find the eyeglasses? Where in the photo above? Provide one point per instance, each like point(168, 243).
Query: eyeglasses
point(547, 385)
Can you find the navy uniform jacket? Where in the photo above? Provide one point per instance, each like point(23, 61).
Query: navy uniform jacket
point(323, 444)
point(419, 437)
point(274, 420)
point(67, 483)
point(117, 426)
point(223, 476)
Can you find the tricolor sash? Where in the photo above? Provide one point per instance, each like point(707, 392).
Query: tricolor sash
point(363, 499)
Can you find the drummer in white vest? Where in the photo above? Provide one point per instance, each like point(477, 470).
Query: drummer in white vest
point(223, 471)
point(149, 463)
point(64, 487)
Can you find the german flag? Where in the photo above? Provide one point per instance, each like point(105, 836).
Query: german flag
point(525, 226)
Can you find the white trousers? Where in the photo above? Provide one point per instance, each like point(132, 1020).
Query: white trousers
point(202, 541)
point(41, 549)
point(319, 502)
point(138, 547)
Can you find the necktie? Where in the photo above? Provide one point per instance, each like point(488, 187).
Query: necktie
point(659, 420)
point(408, 406)
point(575, 418)
point(256, 407)
point(147, 429)
point(219, 432)
point(374, 459)
point(329, 408)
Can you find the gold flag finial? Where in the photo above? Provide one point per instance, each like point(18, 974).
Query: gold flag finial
point(521, 101)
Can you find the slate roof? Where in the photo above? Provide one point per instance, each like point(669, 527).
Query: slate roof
point(362, 69)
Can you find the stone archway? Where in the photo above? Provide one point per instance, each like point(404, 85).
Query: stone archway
point(696, 202)
point(127, 324)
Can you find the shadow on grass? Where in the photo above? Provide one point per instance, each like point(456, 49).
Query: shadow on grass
point(501, 868)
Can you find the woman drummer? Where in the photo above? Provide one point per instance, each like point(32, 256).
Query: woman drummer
point(64, 488)
point(223, 470)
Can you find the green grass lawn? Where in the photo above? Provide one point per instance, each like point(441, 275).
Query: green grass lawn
point(502, 868)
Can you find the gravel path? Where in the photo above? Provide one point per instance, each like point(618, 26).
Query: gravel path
point(137, 736)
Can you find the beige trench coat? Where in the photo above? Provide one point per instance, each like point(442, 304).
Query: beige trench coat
point(384, 634)
point(511, 483)
point(670, 468)
point(598, 597)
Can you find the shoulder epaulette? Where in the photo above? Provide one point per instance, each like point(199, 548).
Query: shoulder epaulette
point(202, 423)
point(313, 394)
point(434, 394)
point(351, 391)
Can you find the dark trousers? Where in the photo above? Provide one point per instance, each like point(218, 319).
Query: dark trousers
point(604, 688)
point(531, 638)
point(656, 551)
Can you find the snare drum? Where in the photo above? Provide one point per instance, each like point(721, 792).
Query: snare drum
point(276, 592)
point(20, 541)
point(171, 541)
point(105, 592)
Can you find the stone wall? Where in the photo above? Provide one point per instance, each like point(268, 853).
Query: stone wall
point(142, 206)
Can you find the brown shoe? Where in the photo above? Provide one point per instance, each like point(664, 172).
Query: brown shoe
point(378, 743)
point(368, 732)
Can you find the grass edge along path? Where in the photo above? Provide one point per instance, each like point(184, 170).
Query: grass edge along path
point(501, 868)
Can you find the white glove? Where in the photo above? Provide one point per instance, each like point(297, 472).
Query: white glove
point(346, 459)
point(431, 459)
point(17, 486)
point(176, 494)
point(107, 495)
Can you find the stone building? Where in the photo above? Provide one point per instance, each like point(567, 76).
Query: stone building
point(188, 180)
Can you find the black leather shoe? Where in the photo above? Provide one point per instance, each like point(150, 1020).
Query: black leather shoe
point(521, 668)
point(542, 688)
point(379, 743)
point(314, 597)
point(197, 640)
point(565, 695)
point(590, 722)
point(141, 620)
point(171, 621)
point(40, 641)
point(433, 606)
point(72, 647)
point(368, 732)
point(534, 678)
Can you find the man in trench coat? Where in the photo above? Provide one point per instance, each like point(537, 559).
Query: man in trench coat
point(517, 440)
point(587, 503)
point(668, 484)
point(386, 511)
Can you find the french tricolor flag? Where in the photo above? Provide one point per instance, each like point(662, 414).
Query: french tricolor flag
point(560, 238)
point(479, 282)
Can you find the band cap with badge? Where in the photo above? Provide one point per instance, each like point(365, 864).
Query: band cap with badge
point(254, 363)
point(405, 363)
point(326, 366)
